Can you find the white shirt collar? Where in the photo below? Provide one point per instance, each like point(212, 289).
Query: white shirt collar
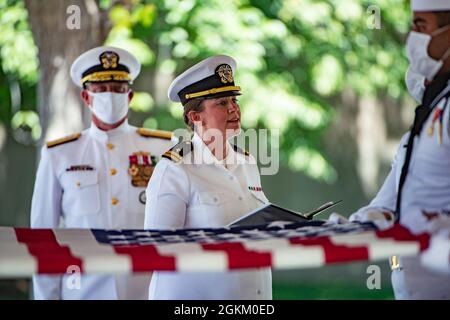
point(103, 136)
point(202, 154)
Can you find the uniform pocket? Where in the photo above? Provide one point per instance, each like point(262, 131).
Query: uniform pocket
point(213, 198)
point(212, 209)
point(81, 192)
point(136, 199)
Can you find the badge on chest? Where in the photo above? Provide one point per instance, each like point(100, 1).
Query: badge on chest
point(437, 117)
point(141, 168)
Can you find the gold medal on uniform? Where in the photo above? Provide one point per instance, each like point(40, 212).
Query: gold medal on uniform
point(437, 117)
point(141, 168)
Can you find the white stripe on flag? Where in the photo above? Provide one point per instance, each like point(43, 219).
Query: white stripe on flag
point(378, 248)
point(96, 257)
point(288, 256)
point(191, 257)
point(16, 261)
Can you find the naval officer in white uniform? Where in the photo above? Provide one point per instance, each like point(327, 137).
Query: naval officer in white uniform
point(417, 190)
point(206, 182)
point(97, 178)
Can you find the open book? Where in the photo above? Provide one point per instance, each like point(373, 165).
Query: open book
point(271, 212)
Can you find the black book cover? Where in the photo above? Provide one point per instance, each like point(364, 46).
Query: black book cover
point(271, 212)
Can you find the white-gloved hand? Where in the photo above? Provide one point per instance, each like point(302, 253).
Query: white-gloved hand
point(382, 219)
point(336, 218)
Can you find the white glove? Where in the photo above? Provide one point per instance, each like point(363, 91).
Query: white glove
point(336, 218)
point(382, 219)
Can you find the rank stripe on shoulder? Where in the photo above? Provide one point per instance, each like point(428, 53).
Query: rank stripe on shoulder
point(237, 149)
point(172, 156)
point(63, 140)
point(177, 152)
point(155, 133)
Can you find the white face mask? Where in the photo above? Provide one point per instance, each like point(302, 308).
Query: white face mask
point(109, 107)
point(417, 51)
point(415, 84)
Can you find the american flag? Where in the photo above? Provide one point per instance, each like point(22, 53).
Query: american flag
point(278, 245)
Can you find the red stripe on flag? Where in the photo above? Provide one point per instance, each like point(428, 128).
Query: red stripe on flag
point(146, 258)
point(400, 233)
point(334, 253)
point(239, 257)
point(50, 255)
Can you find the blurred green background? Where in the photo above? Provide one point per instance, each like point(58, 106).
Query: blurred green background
point(329, 75)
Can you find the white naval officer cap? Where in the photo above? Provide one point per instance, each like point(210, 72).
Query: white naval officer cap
point(210, 78)
point(104, 64)
point(430, 5)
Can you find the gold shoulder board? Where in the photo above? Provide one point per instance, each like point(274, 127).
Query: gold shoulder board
point(155, 133)
point(57, 142)
point(177, 152)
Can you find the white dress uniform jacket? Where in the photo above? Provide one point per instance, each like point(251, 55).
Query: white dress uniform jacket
point(205, 194)
point(427, 187)
point(86, 184)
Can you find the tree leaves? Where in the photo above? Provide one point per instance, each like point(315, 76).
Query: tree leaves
point(295, 58)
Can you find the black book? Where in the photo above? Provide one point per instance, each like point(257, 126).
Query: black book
point(271, 212)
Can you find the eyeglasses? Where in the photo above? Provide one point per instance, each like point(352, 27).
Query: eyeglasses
point(108, 87)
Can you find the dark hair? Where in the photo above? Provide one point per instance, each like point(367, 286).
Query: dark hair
point(443, 18)
point(192, 105)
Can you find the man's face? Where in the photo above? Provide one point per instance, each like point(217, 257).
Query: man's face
point(427, 23)
point(424, 22)
point(115, 87)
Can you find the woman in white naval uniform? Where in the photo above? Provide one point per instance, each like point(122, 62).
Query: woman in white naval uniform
point(201, 184)
point(84, 181)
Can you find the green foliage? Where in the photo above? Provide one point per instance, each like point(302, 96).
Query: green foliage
point(19, 65)
point(295, 58)
point(142, 102)
point(26, 126)
point(18, 52)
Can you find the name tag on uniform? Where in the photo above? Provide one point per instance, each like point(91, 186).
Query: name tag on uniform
point(80, 167)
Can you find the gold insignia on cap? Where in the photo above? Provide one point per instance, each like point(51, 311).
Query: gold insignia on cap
point(225, 73)
point(107, 76)
point(109, 59)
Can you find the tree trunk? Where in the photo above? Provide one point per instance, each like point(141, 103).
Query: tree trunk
point(59, 105)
